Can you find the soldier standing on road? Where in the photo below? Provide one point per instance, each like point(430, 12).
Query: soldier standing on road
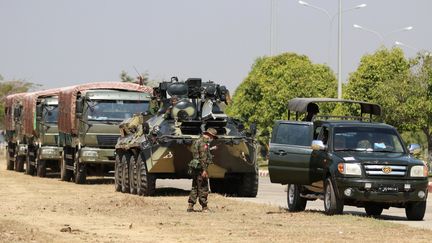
point(198, 169)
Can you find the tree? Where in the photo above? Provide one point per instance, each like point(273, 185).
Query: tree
point(263, 96)
point(11, 87)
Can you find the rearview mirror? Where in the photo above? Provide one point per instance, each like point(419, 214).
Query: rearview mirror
point(414, 149)
point(79, 107)
point(39, 111)
point(318, 145)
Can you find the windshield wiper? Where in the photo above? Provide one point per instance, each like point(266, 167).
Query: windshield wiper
point(353, 149)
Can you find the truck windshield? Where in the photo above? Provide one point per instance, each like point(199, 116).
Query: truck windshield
point(369, 139)
point(115, 110)
point(51, 114)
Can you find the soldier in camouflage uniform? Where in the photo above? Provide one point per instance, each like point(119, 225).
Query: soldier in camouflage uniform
point(202, 159)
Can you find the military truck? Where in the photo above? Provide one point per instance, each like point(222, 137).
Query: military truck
point(16, 149)
point(89, 116)
point(159, 146)
point(41, 132)
point(346, 160)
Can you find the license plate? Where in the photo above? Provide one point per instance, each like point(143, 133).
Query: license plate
point(388, 189)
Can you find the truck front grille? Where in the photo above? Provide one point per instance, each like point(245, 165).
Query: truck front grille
point(107, 140)
point(385, 170)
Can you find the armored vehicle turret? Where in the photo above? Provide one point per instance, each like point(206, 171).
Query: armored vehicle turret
point(156, 144)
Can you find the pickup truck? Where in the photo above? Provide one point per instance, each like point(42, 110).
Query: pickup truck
point(346, 160)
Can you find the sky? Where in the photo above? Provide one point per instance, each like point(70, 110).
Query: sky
point(59, 43)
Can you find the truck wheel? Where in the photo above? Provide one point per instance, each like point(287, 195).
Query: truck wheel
point(216, 185)
point(118, 172)
point(81, 173)
point(10, 163)
point(296, 203)
point(125, 185)
point(65, 174)
point(41, 168)
point(415, 210)
point(19, 163)
point(132, 175)
point(373, 210)
point(147, 181)
point(249, 185)
point(29, 168)
point(332, 204)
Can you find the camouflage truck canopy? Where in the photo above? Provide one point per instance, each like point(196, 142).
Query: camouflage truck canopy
point(29, 108)
point(68, 96)
point(10, 100)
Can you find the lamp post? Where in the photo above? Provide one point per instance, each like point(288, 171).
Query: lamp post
point(380, 36)
point(339, 90)
point(405, 45)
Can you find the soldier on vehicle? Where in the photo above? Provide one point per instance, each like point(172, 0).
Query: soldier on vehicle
point(198, 169)
point(312, 110)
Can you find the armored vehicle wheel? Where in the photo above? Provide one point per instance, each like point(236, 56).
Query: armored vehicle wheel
point(65, 174)
point(332, 204)
point(41, 168)
point(249, 185)
point(118, 172)
point(125, 185)
point(373, 210)
point(29, 168)
point(216, 185)
point(296, 203)
point(81, 173)
point(415, 210)
point(19, 163)
point(146, 181)
point(133, 175)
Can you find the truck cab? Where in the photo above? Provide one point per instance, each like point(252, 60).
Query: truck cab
point(346, 160)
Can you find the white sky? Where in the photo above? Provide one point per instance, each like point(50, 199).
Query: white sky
point(58, 43)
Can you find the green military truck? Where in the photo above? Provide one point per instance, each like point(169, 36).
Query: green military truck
point(346, 161)
point(16, 147)
point(41, 132)
point(89, 116)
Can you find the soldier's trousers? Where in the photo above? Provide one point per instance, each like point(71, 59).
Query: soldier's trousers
point(200, 189)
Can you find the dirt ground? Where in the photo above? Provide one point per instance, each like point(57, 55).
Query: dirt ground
point(47, 210)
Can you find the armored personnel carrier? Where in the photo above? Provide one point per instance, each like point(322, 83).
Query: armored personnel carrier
point(156, 144)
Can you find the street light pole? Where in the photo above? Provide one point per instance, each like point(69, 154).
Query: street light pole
point(340, 52)
point(380, 36)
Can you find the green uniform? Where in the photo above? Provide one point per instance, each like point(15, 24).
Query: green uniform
point(200, 188)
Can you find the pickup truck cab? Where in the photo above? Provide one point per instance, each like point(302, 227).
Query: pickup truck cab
point(346, 161)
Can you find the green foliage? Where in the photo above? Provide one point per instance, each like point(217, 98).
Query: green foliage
point(263, 96)
point(125, 77)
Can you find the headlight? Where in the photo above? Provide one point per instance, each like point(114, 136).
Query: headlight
point(419, 171)
point(48, 151)
point(350, 169)
point(90, 154)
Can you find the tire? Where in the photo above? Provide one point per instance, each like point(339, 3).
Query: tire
point(81, 173)
point(29, 168)
point(373, 210)
point(296, 203)
point(133, 171)
point(146, 181)
point(10, 163)
point(118, 172)
point(332, 204)
point(125, 185)
point(19, 163)
point(216, 185)
point(65, 174)
point(415, 210)
point(41, 168)
point(249, 185)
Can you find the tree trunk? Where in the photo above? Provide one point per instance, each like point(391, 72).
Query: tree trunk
point(429, 144)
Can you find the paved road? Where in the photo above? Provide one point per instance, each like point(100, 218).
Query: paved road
point(275, 194)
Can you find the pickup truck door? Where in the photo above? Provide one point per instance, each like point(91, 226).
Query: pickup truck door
point(290, 153)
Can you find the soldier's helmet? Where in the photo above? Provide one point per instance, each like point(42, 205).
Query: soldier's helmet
point(211, 132)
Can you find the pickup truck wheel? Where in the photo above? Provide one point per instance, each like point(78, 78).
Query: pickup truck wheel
point(29, 168)
point(19, 163)
point(81, 173)
point(118, 172)
point(295, 202)
point(373, 210)
point(332, 204)
point(147, 181)
point(216, 185)
point(125, 174)
point(415, 210)
point(249, 185)
point(65, 174)
point(132, 175)
point(41, 168)
point(10, 163)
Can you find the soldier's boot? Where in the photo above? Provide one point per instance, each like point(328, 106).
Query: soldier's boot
point(205, 209)
point(190, 208)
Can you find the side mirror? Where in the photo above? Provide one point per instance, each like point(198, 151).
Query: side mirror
point(39, 111)
point(318, 145)
point(17, 112)
point(414, 149)
point(79, 107)
point(253, 129)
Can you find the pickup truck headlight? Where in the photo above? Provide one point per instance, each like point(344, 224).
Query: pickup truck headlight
point(90, 154)
point(419, 171)
point(350, 169)
point(48, 151)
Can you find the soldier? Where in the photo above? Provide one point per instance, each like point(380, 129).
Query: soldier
point(198, 169)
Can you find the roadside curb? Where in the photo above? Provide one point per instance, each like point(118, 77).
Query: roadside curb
point(265, 173)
